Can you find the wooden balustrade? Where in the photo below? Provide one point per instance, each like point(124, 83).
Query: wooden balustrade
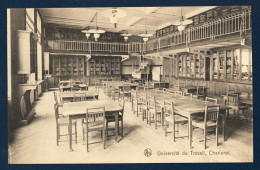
point(81, 45)
point(230, 24)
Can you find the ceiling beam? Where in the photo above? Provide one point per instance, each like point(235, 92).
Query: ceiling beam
point(91, 16)
point(150, 10)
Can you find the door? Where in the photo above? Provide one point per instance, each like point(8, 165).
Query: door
point(207, 76)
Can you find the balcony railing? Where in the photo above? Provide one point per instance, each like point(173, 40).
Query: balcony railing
point(230, 24)
point(90, 46)
point(238, 23)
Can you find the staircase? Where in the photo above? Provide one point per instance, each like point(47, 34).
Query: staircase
point(137, 72)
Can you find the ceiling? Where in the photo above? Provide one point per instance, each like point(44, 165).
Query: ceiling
point(134, 21)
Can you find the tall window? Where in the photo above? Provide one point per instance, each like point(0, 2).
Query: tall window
point(246, 65)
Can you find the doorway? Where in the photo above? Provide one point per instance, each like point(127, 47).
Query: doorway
point(207, 75)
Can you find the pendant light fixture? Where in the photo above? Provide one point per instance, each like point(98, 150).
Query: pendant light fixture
point(114, 14)
point(86, 32)
point(146, 35)
point(126, 35)
point(181, 24)
point(96, 31)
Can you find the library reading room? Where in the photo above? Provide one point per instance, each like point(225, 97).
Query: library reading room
point(166, 84)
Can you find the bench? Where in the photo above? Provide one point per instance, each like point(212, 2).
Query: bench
point(27, 110)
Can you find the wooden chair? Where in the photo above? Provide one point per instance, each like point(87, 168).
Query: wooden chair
point(126, 92)
point(75, 86)
point(188, 95)
point(213, 100)
point(171, 118)
point(95, 121)
point(154, 111)
point(79, 97)
point(230, 91)
point(62, 122)
point(210, 120)
point(233, 102)
point(138, 103)
point(179, 86)
point(60, 104)
point(141, 87)
point(200, 94)
point(120, 118)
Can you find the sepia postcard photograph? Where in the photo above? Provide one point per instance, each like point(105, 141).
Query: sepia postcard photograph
point(110, 85)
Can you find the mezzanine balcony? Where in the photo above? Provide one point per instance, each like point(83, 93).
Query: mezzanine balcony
point(232, 27)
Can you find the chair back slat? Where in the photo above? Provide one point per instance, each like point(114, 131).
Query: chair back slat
point(126, 88)
point(79, 97)
point(230, 91)
point(232, 100)
point(168, 108)
point(151, 102)
point(95, 115)
point(122, 104)
point(55, 97)
point(200, 90)
point(209, 99)
point(187, 94)
point(211, 113)
point(56, 112)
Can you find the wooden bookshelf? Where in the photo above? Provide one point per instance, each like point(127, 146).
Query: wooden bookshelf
point(105, 66)
point(68, 65)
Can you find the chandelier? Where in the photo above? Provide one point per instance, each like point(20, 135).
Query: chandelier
point(181, 24)
point(96, 31)
point(125, 35)
point(114, 14)
point(146, 35)
point(86, 32)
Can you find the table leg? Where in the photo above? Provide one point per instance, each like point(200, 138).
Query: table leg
point(116, 124)
point(223, 124)
point(70, 133)
point(190, 131)
point(162, 118)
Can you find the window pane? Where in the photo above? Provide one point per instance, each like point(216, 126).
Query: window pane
point(245, 64)
point(236, 61)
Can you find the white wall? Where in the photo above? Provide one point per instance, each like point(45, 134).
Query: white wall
point(156, 72)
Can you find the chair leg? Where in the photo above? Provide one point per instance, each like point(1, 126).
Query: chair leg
point(122, 128)
point(166, 126)
point(83, 132)
point(76, 132)
point(150, 118)
point(58, 131)
point(156, 116)
point(143, 114)
point(147, 116)
point(87, 138)
point(106, 129)
point(136, 110)
point(217, 134)
point(162, 120)
point(104, 137)
point(205, 133)
point(132, 102)
point(188, 130)
point(57, 135)
point(173, 131)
